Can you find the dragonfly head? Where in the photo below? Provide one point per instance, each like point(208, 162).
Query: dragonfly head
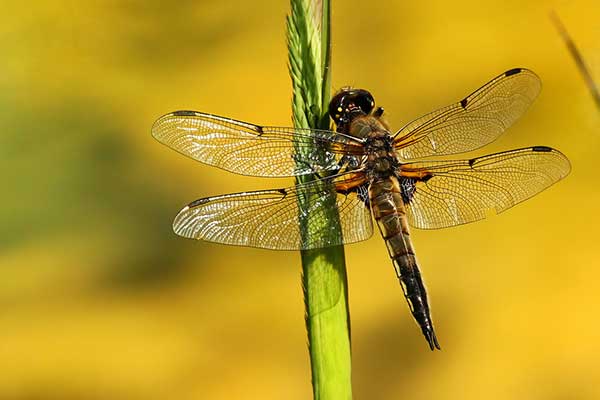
point(348, 104)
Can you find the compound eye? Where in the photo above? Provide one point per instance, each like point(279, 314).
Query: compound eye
point(336, 105)
point(349, 99)
point(365, 101)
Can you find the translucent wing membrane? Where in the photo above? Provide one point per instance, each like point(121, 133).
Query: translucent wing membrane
point(255, 150)
point(472, 122)
point(270, 219)
point(452, 193)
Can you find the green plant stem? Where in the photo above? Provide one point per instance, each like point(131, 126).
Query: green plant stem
point(323, 270)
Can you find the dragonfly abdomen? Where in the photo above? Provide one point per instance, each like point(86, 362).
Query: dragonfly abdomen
point(389, 212)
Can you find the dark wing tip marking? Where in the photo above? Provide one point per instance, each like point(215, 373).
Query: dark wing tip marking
point(183, 113)
point(463, 103)
point(513, 71)
point(543, 149)
point(198, 202)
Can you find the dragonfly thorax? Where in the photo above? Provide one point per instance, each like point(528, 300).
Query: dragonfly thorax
point(369, 128)
point(381, 160)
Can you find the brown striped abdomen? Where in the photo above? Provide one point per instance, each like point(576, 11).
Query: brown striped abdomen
point(390, 214)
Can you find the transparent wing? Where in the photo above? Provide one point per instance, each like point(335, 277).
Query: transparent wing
point(254, 150)
point(444, 194)
point(271, 219)
point(473, 122)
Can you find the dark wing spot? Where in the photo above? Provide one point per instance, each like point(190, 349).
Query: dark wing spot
point(259, 130)
point(471, 162)
point(513, 71)
point(362, 192)
point(463, 103)
point(282, 191)
point(184, 113)
point(544, 149)
point(427, 177)
point(408, 186)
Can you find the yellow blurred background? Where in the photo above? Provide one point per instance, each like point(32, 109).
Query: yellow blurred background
point(100, 300)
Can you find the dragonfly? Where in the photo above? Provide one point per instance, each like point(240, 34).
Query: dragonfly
point(363, 171)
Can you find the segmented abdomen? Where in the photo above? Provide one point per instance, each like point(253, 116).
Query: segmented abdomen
point(389, 212)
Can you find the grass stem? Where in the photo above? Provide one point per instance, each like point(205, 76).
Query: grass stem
point(323, 270)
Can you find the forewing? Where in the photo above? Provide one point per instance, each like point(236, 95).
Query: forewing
point(271, 219)
point(473, 122)
point(254, 150)
point(443, 194)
